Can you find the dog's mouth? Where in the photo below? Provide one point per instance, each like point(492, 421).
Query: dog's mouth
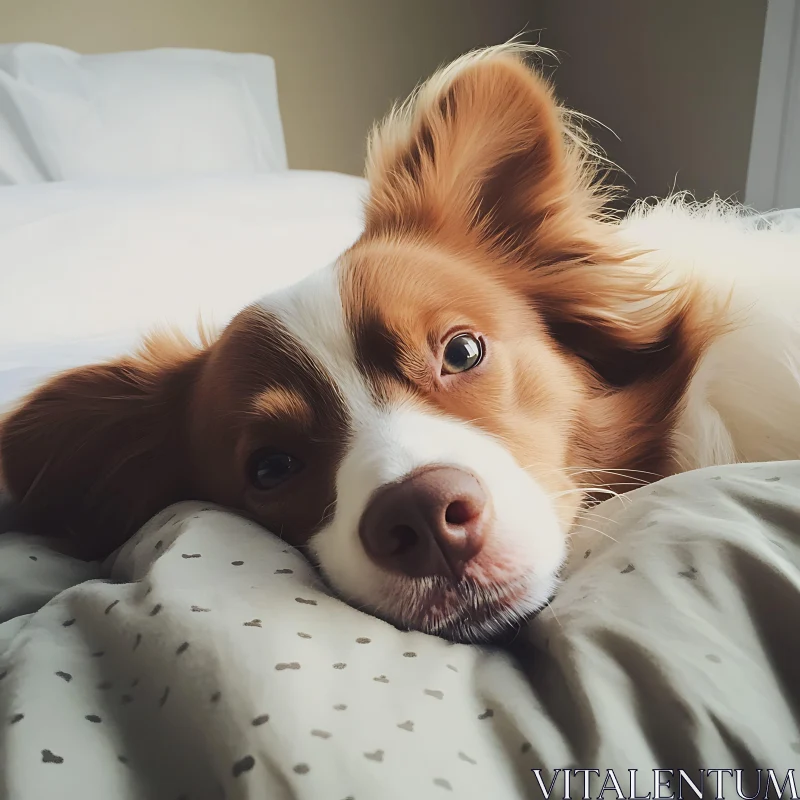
point(467, 612)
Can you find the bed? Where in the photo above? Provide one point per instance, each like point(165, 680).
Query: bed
point(205, 659)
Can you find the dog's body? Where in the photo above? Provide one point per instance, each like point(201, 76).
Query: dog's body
point(428, 415)
point(743, 402)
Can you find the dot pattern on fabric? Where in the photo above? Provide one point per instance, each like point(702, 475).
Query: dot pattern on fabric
point(399, 694)
point(243, 765)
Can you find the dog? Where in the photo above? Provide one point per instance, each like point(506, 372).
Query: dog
point(427, 417)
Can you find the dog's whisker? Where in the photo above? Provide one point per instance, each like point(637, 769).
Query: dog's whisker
point(592, 489)
point(596, 530)
point(548, 605)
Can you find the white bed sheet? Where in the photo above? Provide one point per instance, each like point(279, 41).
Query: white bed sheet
point(87, 268)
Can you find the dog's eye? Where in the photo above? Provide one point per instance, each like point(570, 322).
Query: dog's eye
point(462, 352)
point(268, 469)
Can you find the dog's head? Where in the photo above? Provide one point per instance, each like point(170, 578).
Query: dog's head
point(426, 415)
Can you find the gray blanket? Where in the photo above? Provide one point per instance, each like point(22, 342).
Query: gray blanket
point(216, 665)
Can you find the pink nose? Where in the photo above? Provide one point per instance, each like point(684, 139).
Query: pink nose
point(432, 523)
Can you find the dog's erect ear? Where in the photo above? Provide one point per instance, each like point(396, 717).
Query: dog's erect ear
point(483, 160)
point(483, 148)
point(98, 450)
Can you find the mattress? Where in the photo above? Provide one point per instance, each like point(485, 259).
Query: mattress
point(207, 660)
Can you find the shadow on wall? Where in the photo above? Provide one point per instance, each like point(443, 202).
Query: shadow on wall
point(676, 81)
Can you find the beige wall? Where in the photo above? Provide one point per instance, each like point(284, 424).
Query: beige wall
point(340, 62)
point(676, 80)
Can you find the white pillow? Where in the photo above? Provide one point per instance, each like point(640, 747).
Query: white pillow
point(86, 269)
point(154, 113)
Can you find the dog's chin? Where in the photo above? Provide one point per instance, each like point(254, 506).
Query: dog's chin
point(466, 612)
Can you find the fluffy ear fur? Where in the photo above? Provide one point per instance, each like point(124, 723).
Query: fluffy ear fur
point(483, 159)
point(98, 450)
point(483, 149)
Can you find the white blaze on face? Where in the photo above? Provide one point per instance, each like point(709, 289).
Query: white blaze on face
point(526, 545)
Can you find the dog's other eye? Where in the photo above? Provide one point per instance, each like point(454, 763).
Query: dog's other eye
point(462, 352)
point(267, 469)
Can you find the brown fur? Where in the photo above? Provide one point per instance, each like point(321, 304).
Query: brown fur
point(94, 453)
point(97, 450)
point(483, 212)
point(483, 216)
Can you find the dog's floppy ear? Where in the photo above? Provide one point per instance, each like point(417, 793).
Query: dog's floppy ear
point(96, 451)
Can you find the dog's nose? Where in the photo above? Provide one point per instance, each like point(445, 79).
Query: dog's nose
point(431, 523)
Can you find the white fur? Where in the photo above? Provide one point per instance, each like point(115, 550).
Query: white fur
point(527, 545)
point(743, 404)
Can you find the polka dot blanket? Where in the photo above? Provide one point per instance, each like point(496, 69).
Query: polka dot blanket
point(210, 662)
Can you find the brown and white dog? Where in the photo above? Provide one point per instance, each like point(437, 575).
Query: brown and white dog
point(427, 416)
